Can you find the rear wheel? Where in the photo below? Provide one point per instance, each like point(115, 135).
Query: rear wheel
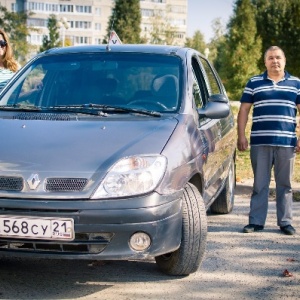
point(188, 257)
point(225, 201)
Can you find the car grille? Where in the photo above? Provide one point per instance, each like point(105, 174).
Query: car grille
point(65, 184)
point(43, 117)
point(87, 243)
point(11, 183)
point(51, 184)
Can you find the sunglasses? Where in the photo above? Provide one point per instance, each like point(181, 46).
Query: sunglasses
point(3, 44)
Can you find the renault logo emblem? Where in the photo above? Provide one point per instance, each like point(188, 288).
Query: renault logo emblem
point(33, 181)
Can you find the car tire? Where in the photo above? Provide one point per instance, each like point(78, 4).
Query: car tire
point(225, 201)
point(188, 257)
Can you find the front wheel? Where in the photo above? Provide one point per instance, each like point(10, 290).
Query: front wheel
point(188, 257)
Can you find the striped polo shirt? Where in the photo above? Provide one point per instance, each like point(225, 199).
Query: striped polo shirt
point(274, 109)
point(5, 75)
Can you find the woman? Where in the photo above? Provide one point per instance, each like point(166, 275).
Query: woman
point(8, 65)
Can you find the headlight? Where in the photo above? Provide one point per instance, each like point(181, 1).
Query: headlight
point(132, 175)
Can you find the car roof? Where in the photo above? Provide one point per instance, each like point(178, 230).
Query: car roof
point(134, 48)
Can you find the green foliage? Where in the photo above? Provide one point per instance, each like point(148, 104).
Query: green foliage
point(242, 50)
point(278, 23)
point(255, 26)
point(197, 42)
point(14, 24)
point(52, 40)
point(126, 20)
point(162, 32)
point(216, 45)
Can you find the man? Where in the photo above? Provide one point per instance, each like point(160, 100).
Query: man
point(275, 96)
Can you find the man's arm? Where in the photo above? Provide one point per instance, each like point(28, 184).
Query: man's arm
point(242, 119)
point(298, 140)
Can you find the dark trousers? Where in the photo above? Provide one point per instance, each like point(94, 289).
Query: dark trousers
point(263, 159)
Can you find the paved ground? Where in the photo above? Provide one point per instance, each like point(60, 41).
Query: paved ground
point(236, 266)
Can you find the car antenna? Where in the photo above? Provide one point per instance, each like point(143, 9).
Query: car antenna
point(110, 31)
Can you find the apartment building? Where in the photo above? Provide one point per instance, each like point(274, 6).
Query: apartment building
point(86, 22)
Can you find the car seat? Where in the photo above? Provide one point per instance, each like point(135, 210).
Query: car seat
point(165, 90)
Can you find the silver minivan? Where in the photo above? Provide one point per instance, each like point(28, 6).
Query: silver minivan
point(115, 153)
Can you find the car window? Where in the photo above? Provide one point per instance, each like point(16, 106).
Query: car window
point(213, 85)
point(199, 87)
point(197, 92)
point(147, 81)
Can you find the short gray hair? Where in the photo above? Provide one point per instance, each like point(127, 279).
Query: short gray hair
point(272, 48)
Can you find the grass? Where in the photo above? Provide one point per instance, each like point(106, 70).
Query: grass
point(243, 164)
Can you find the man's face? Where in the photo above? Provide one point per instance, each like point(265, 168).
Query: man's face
point(275, 61)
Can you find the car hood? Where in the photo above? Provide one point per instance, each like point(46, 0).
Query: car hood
point(64, 151)
point(77, 148)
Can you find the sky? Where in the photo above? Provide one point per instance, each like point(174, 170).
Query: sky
point(201, 13)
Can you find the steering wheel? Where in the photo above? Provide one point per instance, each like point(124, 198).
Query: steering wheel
point(148, 103)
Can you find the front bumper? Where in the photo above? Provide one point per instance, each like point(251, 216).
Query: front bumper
point(102, 228)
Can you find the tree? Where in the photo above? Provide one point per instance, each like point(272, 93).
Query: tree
point(197, 42)
point(291, 45)
point(15, 25)
point(126, 21)
point(278, 23)
point(216, 44)
point(242, 48)
point(52, 40)
point(160, 30)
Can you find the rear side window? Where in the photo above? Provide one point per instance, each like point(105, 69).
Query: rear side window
point(197, 92)
point(200, 93)
point(212, 82)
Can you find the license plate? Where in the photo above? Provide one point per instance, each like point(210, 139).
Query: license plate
point(36, 228)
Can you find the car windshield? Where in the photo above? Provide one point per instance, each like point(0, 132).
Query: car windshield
point(141, 81)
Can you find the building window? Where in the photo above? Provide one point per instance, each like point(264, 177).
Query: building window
point(42, 7)
point(98, 41)
point(82, 25)
point(37, 22)
point(82, 40)
point(179, 35)
point(97, 11)
point(35, 39)
point(158, 1)
point(177, 9)
point(97, 26)
point(66, 8)
point(14, 7)
point(178, 22)
point(147, 12)
point(83, 9)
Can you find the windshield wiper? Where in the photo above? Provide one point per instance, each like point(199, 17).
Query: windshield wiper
point(122, 109)
point(69, 108)
point(82, 109)
point(91, 109)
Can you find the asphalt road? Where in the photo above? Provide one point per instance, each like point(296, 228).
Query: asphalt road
point(236, 266)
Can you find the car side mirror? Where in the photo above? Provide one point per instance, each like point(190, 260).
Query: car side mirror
point(218, 98)
point(217, 107)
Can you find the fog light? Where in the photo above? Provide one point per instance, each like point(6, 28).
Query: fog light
point(140, 241)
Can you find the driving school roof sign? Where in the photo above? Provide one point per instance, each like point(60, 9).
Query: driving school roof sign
point(114, 39)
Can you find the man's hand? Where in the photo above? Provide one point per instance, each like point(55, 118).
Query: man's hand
point(242, 144)
point(297, 148)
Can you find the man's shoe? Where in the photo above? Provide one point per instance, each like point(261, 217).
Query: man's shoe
point(288, 229)
point(252, 227)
